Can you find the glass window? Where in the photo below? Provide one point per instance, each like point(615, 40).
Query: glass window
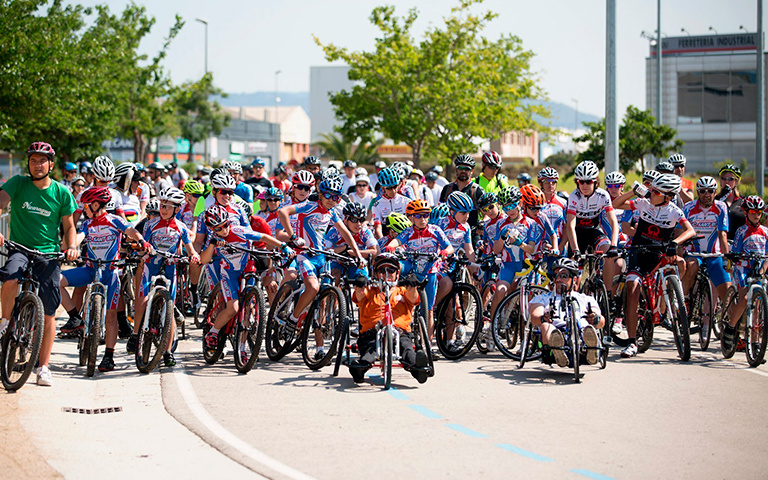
point(689, 97)
point(743, 97)
point(716, 97)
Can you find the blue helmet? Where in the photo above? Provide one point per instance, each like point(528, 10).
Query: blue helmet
point(460, 202)
point(332, 185)
point(257, 162)
point(389, 177)
point(273, 192)
point(70, 167)
point(438, 211)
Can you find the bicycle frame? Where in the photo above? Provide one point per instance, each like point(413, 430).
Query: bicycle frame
point(99, 289)
point(381, 329)
point(653, 283)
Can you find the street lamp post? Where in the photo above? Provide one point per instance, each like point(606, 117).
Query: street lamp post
point(205, 143)
point(683, 30)
point(712, 29)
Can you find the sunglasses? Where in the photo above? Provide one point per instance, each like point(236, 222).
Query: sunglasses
point(305, 188)
point(729, 179)
point(547, 181)
point(614, 185)
point(226, 192)
point(534, 208)
point(195, 195)
point(464, 169)
point(167, 206)
point(273, 199)
point(655, 192)
point(586, 182)
point(420, 215)
point(563, 275)
point(756, 212)
point(487, 207)
point(221, 227)
point(387, 271)
point(679, 166)
point(78, 185)
point(390, 188)
point(361, 185)
point(705, 191)
point(330, 196)
point(355, 220)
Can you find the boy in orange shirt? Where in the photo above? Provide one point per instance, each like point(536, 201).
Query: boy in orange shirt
point(370, 300)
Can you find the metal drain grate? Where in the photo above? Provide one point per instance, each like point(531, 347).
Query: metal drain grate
point(91, 411)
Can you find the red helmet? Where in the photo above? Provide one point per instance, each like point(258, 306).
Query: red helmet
point(216, 215)
point(303, 177)
point(96, 194)
point(492, 158)
point(41, 147)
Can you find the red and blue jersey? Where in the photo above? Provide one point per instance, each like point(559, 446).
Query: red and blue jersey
point(539, 231)
point(236, 217)
point(103, 235)
point(707, 222)
point(166, 236)
point(235, 261)
point(750, 239)
point(458, 233)
point(554, 210)
point(364, 239)
point(187, 214)
point(312, 221)
point(431, 239)
point(491, 231)
point(272, 220)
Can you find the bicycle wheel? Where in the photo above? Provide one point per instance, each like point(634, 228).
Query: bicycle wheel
point(459, 319)
point(250, 332)
point(94, 332)
point(129, 297)
point(215, 305)
point(203, 292)
point(644, 321)
point(526, 331)
point(597, 289)
point(21, 342)
point(484, 341)
point(154, 338)
point(725, 318)
point(702, 310)
point(386, 357)
point(343, 341)
point(756, 335)
point(506, 325)
point(277, 340)
point(678, 317)
point(574, 335)
point(324, 320)
point(421, 338)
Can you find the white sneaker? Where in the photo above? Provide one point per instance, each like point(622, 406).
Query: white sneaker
point(44, 377)
point(557, 341)
point(629, 351)
point(592, 342)
point(3, 326)
point(617, 328)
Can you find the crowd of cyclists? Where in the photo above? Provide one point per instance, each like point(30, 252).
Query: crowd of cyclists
point(397, 224)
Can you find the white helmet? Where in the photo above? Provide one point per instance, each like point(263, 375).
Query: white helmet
point(586, 171)
point(677, 160)
point(614, 178)
point(668, 183)
point(233, 167)
point(172, 195)
point(223, 182)
point(706, 182)
point(103, 169)
point(651, 175)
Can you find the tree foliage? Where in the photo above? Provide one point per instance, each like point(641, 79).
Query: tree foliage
point(446, 93)
point(639, 136)
point(198, 117)
point(340, 148)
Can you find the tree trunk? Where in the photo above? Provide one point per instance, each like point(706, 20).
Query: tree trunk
point(138, 146)
point(191, 153)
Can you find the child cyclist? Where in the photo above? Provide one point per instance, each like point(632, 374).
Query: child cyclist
point(103, 232)
point(193, 190)
point(402, 300)
point(354, 220)
point(389, 200)
point(392, 227)
point(457, 230)
point(312, 223)
point(749, 238)
point(232, 263)
point(165, 234)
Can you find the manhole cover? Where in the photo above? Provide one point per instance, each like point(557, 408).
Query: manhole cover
point(91, 411)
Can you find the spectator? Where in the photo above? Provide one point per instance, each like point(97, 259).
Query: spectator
point(421, 189)
point(374, 177)
point(362, 193)
point(433, 187)
point(349, 177)
point(441, 180)
point(258, 177)
point(177, 174)
point(68, 171)
point(280, 180)
point(464, 165)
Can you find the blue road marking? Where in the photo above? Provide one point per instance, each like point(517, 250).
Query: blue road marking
point(592, 475)
point(395, 393)
point(525, 453)
point(426, 412)
point(465, 430)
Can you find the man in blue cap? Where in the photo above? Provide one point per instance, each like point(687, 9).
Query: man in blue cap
point(258, 177)
point(69, 172)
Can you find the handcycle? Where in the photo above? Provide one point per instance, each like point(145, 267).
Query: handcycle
point(24, 334)
point(703, 302)
point(245, 330)
point(753, 324)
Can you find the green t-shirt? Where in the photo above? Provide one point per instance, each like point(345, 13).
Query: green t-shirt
point(36, 213)
point(493, 186)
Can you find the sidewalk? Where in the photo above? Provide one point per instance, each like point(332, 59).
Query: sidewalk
point(140, 440)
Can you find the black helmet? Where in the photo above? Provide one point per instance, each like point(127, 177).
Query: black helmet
point(464, 160)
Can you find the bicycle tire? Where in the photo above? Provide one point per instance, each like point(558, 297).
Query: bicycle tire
point(574, 337)
point(343, 339)
point(215, 305)
point(94, 332)
point(470, 307)
point(203, 292)
point(645, 327)
point(129, 298)
point(485, 338)
point(82, 349)
point(702, 310)
point(421, 339)
point(386, 368)
point(725, 318)
point(248, 334)
point(277, 342)
point(158, 333)
point(334, 297)
point(21, 344)
point(506, 324)
point(756, 336)
point(598, 290)
point(526, 330)
point(679, 317)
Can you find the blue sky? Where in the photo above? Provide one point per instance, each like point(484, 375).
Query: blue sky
point(251, 39)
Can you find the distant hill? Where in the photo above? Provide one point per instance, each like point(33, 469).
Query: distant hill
point(563, 116)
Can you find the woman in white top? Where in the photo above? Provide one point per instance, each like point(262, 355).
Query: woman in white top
point(362, 193)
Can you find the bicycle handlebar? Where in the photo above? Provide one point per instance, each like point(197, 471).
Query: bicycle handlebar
point(11, 245)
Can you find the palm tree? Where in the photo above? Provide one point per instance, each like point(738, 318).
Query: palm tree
point(342, 148)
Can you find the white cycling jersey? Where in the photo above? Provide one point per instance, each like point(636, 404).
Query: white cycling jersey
point(588, 209)
point(553, 305)
point(655, 224)
point(383, 206)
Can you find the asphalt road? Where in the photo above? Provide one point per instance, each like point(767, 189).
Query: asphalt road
point(648, 417)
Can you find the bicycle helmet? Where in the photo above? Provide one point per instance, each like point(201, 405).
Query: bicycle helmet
point(333, 185)
point(397, 222)
point(548, 173)
point(246, 207)
point(586, 171)
point(677, 160)
point(273, 192)
point(460, 202)
point(524, 177)
point(492, 158)
point(386, 259)
point(303, 177)
point(354, 210)
point(103, 169)
point(650, 176)
point(438, 212)
point(706, 182)
point(101, 195)
point(464, 160)
point(418, 206)
point(532, 195)
point(399, 169)
point(509, 195)
point(407, 170)
point(171, 195)
point(70, 167)
point(614, 178)
point(730, 168)
point(311, 160)
point(330, 172)
point(388, 177)
point(41, 147)
point(124, 175)
point(668, 183)
point(216, 215)
point(233, 167)
point(350, 164)
point(665, 167)
point(194, 187)
point(486, 200)
point(568, 264)
point(279, 169)
point(139, 166)
point(431, 176)
point(85, 167)
point(156, 166)
point(78, 178)
point(223, 182)
point(153, 206)
point(753, 202)
point(257, 162)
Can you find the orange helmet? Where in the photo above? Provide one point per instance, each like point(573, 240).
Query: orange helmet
point(532, 195)
point(417, 206)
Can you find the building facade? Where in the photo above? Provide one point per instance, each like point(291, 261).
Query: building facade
point(294, 128)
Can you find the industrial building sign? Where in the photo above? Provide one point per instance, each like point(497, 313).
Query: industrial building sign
point(708, 43)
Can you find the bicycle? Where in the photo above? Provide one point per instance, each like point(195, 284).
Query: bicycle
point(753, 324)
point(203, 293)
point(592, 284)
point(24, 334)
point(487, 264)
point(458, 316)
point(701, 301)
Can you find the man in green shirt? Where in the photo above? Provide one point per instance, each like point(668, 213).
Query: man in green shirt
point(490, 179)
point(40, 205)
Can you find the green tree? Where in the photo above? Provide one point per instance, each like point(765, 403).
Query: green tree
point(341, 148)
point(639, 136)
point(198, 117)
point(561, 159)
point(441, 94)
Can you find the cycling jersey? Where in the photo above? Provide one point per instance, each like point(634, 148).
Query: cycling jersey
point(553, 305)
point(431, 239)
point(554, 210)
point(272, 220)
point(288, 202)
point(491, 231)
point(232, 263)
point(493, 185)
point(458, 233)
point(115, 206)
point(708, 222)
point(165, 236)
point(383, 206)
point(131, 204)
point(656, 224)
point(588, 209)
point(312, 223)
point(748, 239)
point(103, 235)
point(236, 217)
point(187, 214)
point(364, 239)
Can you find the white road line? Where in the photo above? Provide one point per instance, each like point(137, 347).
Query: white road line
point(197, 408)
point(735, 365)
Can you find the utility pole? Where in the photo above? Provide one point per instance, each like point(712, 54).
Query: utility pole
point(611, 120)
point(658, 62)
point(205, 142)
point(760, 144)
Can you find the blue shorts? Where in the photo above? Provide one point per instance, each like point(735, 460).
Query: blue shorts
point(431, 288)
point(153, 269)
point(310, 266)
point(716, 270)
point(509, 270)
point(352, 272)
point(740, 273)
point(230, 283)
point(82, 276)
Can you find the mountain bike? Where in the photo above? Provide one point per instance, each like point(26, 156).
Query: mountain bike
point(702, 301)
point(24, 334)
point(488, 274)
point(458, 316)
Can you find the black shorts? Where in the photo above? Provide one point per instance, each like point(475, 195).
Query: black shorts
point(587, 237)
point(47, 272)
point(641, 263)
